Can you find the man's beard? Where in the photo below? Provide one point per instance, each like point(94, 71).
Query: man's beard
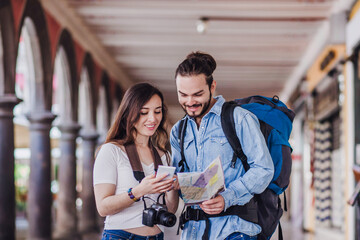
point(203, 111)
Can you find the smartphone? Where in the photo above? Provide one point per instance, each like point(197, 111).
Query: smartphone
point(166, 170)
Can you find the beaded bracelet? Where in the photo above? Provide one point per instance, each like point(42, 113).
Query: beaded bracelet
point(131, 195)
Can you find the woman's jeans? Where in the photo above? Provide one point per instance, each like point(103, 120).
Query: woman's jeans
point(120, 234)
point(240, 236)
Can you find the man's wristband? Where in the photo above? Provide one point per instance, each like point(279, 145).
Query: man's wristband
point(131, 196)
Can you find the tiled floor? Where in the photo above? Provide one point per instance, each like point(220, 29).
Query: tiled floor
point(289, 233)
point(295, 233)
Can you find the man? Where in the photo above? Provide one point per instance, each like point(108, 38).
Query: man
point(205, 140)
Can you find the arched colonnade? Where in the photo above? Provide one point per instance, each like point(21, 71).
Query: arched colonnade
point(53, 87)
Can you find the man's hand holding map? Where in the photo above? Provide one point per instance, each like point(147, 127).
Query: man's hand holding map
point(197, 187)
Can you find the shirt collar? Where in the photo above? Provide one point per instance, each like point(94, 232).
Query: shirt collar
point(218, 105)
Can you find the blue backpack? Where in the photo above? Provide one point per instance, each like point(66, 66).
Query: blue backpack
point(276, 125)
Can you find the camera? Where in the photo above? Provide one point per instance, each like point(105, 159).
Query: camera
point(158, 214)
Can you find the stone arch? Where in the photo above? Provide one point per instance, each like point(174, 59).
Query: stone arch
point(34, 30)
point(89, 136)
point(38, 92)
point(66, 83)
point(7, 103)
point(65, 106)
point(116, 101)
point(86, 107)
point(103, 108)
point(7, 49)
point(105, 81)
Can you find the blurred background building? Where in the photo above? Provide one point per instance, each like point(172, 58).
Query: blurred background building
point(65, 64)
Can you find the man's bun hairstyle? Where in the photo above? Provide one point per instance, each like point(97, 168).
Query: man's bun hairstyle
point(197, 63)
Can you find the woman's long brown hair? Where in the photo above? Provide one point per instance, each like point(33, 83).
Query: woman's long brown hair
point(123, 129)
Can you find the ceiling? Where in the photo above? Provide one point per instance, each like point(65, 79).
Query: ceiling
point(261, 46)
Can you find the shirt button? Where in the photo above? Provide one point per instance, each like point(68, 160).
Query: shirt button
point(200, 147)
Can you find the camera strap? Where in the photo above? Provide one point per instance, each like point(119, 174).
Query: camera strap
point(136, 166)
point(135, 162)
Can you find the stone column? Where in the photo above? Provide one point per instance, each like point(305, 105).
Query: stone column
point(66, 217)
point(88, 214)
point(7, 186)
point(40, 197)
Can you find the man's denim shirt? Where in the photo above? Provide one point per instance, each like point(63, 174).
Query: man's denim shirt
point(202, 145)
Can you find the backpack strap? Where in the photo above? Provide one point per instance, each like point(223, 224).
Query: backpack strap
point(228, 126)
point(135, 162)
point(280, 232)
point(181, 134)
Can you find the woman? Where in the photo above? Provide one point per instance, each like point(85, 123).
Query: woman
point(139, 123)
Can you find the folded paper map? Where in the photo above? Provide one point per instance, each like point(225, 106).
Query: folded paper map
point(197, 187)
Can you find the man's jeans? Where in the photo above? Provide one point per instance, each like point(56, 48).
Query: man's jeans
point(240, 236)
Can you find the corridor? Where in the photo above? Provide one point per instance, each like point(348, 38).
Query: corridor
point(289, 233)
point(65, 66)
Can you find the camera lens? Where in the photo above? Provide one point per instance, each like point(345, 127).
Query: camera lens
point(166, 218)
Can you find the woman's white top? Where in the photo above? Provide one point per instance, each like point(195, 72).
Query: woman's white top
point(112, 166)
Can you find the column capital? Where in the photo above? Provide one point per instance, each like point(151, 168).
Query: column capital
point(40, 120)
point(69, 130)
point(7, 104)
point(89, 134)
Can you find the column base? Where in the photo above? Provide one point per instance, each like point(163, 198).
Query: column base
point(92, 236)
point(67, 236)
